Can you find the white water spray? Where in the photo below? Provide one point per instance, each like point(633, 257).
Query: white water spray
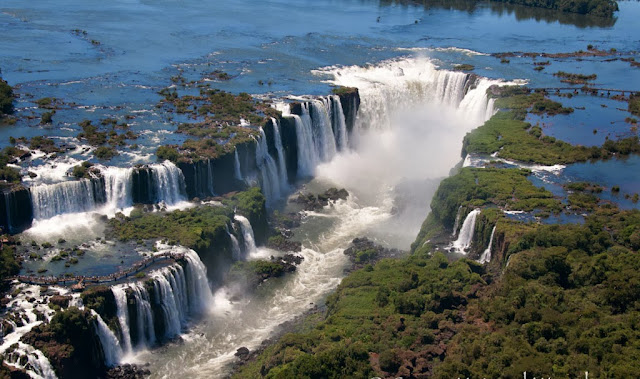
point(462, 244)
point(486, 254)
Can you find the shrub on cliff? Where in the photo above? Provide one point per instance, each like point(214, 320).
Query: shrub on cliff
point(8, 264)
point(70, 343)
point(6, 98)
point(169, 153)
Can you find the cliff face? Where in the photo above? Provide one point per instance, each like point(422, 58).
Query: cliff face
point(70, 343)
point(16, 212)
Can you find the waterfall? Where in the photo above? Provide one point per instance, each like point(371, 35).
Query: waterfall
point(400, 85)
point(236, 165)
point(163, 182)
point(235, 246)
point(177, 292)
point(323, 130)
point(37, 364)
point(457, 222)
point(247, 234)
point(172, 303)
point(307, 156)
point(123, 316)
point(486, 255)
point(110, 344)
point(466, 232)
point(117, 183)
point(203, 178)
point(339, 123)
point(144, 319)
point(282, 165)
point(168, 183)
point(50, 200)
point(268, 169)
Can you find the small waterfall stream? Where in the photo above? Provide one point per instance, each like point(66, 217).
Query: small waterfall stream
point(486, 254)
point(282, 165)
point(236, 165)
point(462, 244)
point(270, 182)
point(110, 344)
point(247, 234)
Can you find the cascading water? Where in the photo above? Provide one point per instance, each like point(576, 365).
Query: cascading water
point(323, 130)
point(110, 344)
point(268, 169)
point(282, 165)
point(236, 165)
point(144, 319)
point(36, 365)
point(486, 254)
point(123, 316)
point(50, 200)
point(109, 194)
point(178, 293)
point(398, 86)
point(457, 222)
point(466, 233)
point(307, 155)
point(247, 234)
point(118, 187)
point(339, 123)
point(235, 247)
point(168, 183)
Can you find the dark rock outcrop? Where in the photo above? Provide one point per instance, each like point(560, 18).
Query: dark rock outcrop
point(363, 251)
point(128, 371)
point(70, 343)
point(312, 202)
point(16, 212)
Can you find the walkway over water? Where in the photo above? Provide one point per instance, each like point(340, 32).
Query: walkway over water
point(80, 281)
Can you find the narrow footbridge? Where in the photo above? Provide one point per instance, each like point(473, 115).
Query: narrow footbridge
point(78, 282)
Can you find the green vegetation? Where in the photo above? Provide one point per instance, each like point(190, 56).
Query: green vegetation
point(568, 302)
point(105, 152)
point(193, 228)
point(219, 133)
point(464, 67)
point(634, 104)
point(95, 137)
point(575, 78)
point(82, 170)
point(69, 342)
point(507, 134)
point(508, 189)
point(6, 99)
point(343, 90)
point(599, 8)
point(9, 265)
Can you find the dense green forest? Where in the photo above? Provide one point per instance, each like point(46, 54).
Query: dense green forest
point(600, 8)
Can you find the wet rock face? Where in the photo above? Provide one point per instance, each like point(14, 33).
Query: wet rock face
point(70, 343)
point(16, 212)
point(312, 202)
point(128, 371)
point(363, 251)
point(350, 101)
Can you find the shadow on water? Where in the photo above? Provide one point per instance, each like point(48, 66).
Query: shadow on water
point(520, 12)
